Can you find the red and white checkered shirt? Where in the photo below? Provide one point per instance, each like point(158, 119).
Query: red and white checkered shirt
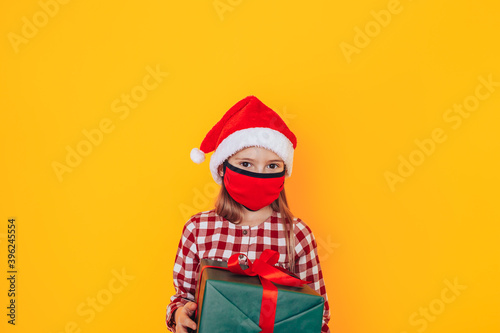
point(207, 235)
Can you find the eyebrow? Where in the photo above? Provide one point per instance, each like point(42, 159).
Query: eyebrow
point(251, 159)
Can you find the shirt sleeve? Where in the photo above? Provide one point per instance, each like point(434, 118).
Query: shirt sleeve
point(185, 266)
point(307, 266)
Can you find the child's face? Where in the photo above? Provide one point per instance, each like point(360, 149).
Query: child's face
point(256, 159)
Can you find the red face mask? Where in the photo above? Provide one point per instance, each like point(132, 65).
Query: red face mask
point(252, 189)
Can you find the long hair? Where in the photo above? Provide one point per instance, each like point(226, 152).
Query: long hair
point(231, 210)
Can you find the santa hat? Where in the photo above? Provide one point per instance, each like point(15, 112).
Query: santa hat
point(247, 123)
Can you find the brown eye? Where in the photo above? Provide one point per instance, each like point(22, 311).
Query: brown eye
point(245, 164)
point(274, 166)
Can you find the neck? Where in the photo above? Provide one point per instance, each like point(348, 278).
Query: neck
point(254, 218)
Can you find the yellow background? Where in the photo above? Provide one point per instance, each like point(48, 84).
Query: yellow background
point(386, 252)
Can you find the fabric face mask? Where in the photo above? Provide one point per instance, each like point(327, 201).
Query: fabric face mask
point(252, 189)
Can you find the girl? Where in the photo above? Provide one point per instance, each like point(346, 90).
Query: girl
point(253, 153)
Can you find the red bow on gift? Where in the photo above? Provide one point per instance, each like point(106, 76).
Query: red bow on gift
point(264, 268)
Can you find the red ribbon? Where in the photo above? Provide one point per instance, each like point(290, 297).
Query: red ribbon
point(264, 268)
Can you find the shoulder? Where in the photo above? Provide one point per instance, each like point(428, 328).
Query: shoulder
point(201, 219)
point(203, 216)
point(304, 237)
point(196, 226)
point(302, 230)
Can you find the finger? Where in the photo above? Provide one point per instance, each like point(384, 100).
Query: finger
point(180, 329)
point(191, 325)
point(192, 305)
point(190, 308)
point(187, 322)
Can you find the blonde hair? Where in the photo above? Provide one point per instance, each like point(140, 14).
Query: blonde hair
point(231, 210)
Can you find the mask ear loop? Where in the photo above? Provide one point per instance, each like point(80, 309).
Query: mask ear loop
point(224, 168)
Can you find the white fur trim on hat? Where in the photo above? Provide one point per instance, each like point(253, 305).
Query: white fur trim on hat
point(257, 136)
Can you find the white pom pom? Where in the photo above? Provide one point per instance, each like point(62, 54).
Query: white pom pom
point(197, 156)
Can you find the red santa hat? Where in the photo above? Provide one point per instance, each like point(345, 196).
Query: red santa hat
point(248, 123)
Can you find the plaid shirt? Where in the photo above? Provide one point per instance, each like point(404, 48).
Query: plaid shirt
point(210, 236)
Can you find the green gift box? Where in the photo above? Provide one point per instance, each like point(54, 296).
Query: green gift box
point(229, 302)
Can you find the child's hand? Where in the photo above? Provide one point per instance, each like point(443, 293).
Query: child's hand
point(183, 317)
